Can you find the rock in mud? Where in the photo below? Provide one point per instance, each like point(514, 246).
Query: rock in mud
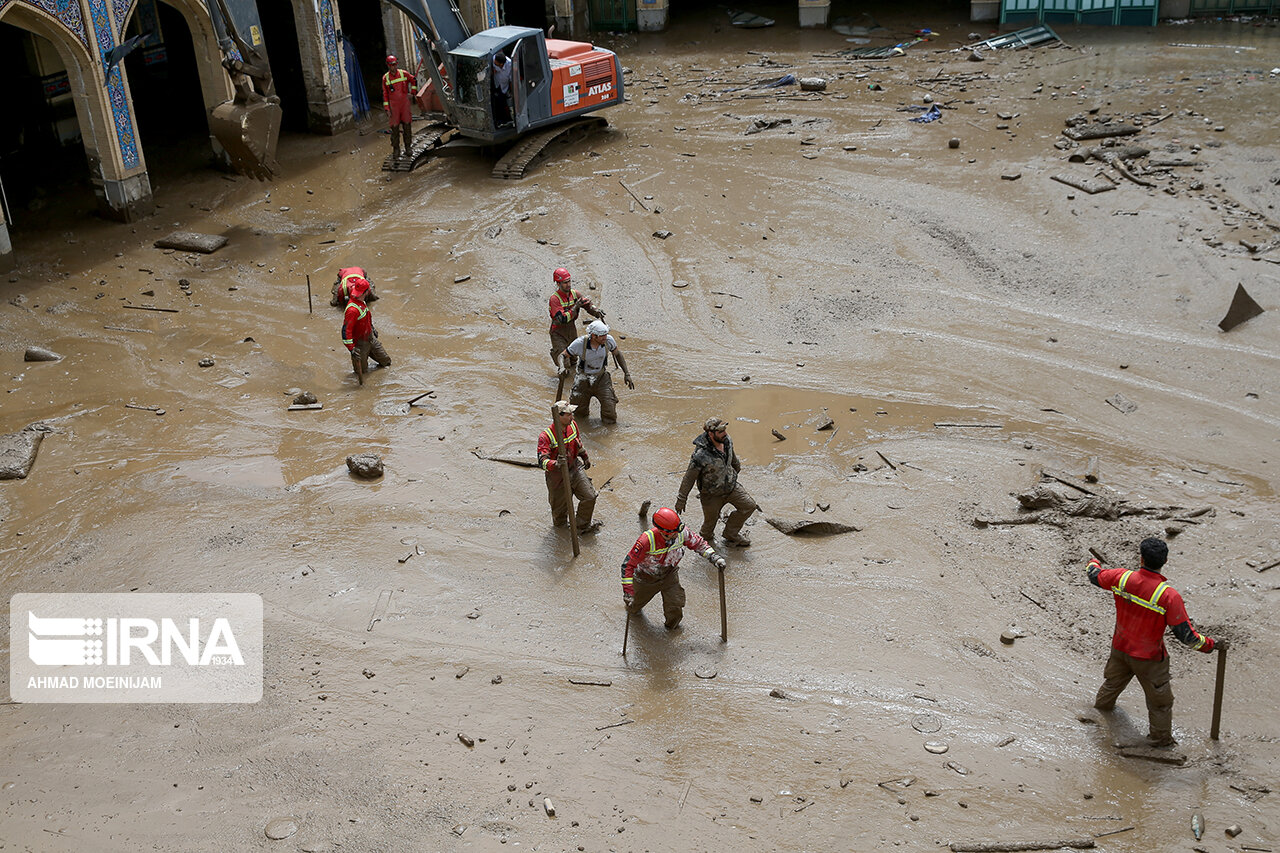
point(813, 84)
point(367, 466)
point(306, 398)
point(466, 740)
point(662, 234)
point(937, 747)
point(18, 451)
point(953, 142)
point(40, 354)
point(811, 528)
point(189, 241)
point(281, 827)
point(205, 362)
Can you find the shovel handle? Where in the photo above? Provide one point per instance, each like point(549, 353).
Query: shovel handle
point(1217, 694)
point(724, 614)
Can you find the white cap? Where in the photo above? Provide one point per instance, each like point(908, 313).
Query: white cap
point(597, 327)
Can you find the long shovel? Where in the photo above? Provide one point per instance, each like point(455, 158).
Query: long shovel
point(724, 614)
point(563, 463)
point(1217, 694)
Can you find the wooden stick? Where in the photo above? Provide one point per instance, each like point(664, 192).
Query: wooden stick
point(151, 308)
point(626, 632)
point(1007, 846)
point(308, 294)
point(564, 464)
point(1217, 694)
point(724, 614)
point(633, 195)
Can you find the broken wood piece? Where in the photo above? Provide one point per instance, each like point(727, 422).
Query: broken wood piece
point(406, 557)
point(614, 725)
point(151, 308)
point(633, 195)
point(1113, 832)
point(996, 521)
point(778, 435)
point(1092, 186)
point(1016, 846)
point(1066, 480)
point(420, 396)
point(1032, 600)
point(306, 407)
point(125, 329)
point(1270, 565)
point(887, 460)
point(590, 682)
point(142, 407)
point(510, 460)
point(941, 424)
point(684, 796)
point(1099, 131)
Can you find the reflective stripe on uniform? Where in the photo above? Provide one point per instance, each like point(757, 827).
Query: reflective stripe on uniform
point(569, 437)
point(653, 544)
point(1152, 603)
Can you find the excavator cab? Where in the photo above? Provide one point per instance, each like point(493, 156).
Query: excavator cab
point(478, 109)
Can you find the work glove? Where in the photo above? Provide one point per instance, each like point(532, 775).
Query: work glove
point(1222, 645)
point(719, 562)
point(562, 371)
point(626, 377)
point(627, 600)
point(679, 507)
point(586, 462)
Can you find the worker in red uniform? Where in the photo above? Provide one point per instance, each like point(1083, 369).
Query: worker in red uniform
point(398, 90)
point(1145, 605)
point(564, 307)
point(551, 461)
point(340, 294)
point(652, 565)
point(358, 334)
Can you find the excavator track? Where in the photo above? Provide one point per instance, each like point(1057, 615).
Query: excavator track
point(424, 143)
point(516, 162)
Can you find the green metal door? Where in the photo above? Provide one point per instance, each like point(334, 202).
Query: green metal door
point(1229, 7)
point(613, 14)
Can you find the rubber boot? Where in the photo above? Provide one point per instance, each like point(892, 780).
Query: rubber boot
point(408, 139)
point(395, 142)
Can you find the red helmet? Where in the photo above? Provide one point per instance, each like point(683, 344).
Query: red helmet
point(560, 276)
point(359, 287)
point(391, 60)
point(666, 519)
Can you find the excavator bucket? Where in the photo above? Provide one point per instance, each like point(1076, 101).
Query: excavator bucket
point(248, 132)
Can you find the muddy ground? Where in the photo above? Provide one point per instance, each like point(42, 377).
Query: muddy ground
point(848, 265)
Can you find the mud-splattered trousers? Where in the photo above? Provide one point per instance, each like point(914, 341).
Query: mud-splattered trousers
point(652, 567)
point(361, 338)
point(716, 473)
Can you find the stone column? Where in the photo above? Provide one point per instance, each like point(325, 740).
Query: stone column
point(651, 15)
point(813, 13)
point(323, 71)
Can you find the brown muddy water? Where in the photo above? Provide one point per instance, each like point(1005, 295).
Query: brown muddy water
point(887, 282)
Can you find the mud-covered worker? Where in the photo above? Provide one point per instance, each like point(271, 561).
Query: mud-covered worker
point(358, 334)
point(714, 466)
point(652, 565)
point(502, 106)
point(1145, 605)
point(593, 379)
point(552, 461)
point(564, 307)
point(340, 294)
point(398, 89)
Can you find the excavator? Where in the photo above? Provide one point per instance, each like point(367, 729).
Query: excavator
point(555, 84)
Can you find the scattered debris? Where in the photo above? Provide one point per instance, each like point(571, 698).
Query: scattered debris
point(151, 308)
point(946, 425)
point(1007, 637)
point(548, 807)
point(1242, 308)
point(306, 398)
point(590, 682)
point(510, 460)
point(1099, 131)
point(662, 234)
point(1010, 176)
point(1113, 831)
point(813, 84)
point(931, 114)
point(140, 407)
point(957, 767)
point(189, 241)
point(1005, 741)
point(1028, 37)
point(1122, 404)
point(614, 725)
point(40, 354)
point(367, 466)
point(207, 361)
point(778, 435)
point(466, 740)
point(777, 693)
point(811, 528)
point(1233, 830)
point(1160, 756)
